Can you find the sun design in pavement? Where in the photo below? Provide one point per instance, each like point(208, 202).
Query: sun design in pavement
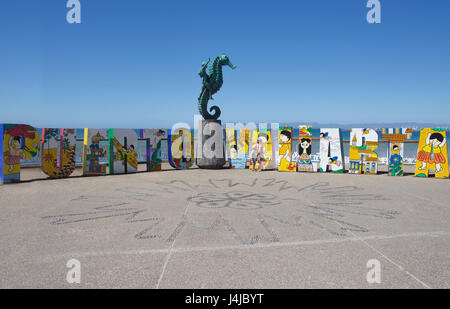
point(267, 204)
point(234, 199)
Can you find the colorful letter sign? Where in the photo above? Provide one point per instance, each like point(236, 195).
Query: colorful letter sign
point(265, 157)
point(58, 152)
point(242, 140)
point(304, 149)
point(181, 148)
point(331, 151)
point(17, 142)
point(95, 152)
point(286, 164)
point(123, 158)
point(231, 147)
point(432, 153)
point(153, 147)
point(396, 138)
point(363, 158)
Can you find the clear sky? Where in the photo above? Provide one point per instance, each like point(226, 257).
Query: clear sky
point(134, 63)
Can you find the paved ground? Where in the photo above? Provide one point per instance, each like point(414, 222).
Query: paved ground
point(226, 229)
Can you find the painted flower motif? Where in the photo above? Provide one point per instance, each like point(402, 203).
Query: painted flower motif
point(395, 159)
point(234, 199)
point(65, 144)
point(48, 157)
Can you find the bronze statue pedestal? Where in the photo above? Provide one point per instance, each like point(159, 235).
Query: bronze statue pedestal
point(210, 152)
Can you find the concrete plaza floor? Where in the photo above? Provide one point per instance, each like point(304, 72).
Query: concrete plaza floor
point(225, 229)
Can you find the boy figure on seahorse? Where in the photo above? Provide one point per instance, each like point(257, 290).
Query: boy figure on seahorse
point(205, 81)
point(432, 151)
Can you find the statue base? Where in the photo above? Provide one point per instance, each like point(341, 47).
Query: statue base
point(210, 146)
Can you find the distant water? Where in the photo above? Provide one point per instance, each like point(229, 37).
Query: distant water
point(410, 149)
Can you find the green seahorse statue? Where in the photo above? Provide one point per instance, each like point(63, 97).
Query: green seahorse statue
point(212, 83)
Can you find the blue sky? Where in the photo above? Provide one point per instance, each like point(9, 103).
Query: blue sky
point(135, 63)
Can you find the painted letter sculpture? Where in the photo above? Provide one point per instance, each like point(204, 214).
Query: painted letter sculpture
point(212, 83)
